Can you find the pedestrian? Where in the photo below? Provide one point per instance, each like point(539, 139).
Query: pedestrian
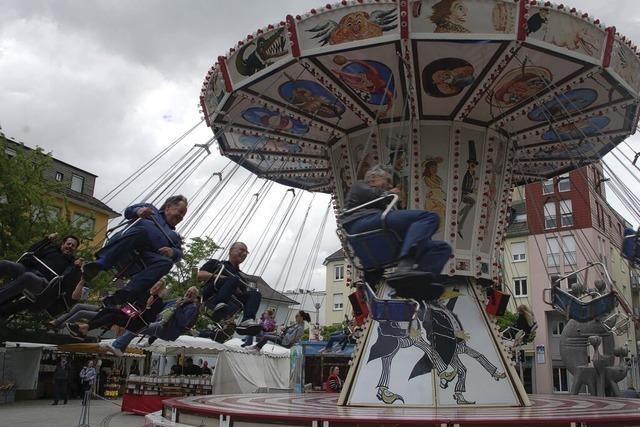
point(88, 377)
point(334, 382)
point(61, 382)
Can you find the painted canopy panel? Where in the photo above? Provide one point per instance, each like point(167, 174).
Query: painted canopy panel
point(351, 24)
point(449, 71)
point(370, 76)
point(463, 17)
point(296, 89)
point(566, 31)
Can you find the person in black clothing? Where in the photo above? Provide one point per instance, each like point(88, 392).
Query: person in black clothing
point(190, 368)
point(148, 312)
point(205, 368)
point(218, 291)
point(522, 326)
point(31, 276)
point(61, 382)
point(420, 257)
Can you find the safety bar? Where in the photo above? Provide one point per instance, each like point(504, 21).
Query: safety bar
point(394, 200)
point(32, 254)
point(589, 265)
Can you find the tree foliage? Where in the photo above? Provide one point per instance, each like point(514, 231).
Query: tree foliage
point(184, 272)
point(27, 202)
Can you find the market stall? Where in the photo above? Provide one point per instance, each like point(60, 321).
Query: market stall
point(237, 371)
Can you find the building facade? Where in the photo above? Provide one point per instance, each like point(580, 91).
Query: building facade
point(312, 301)
point(559, 226)
point(337, 292)
point(75, 199)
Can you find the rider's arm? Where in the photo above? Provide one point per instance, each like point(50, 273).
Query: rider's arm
point(79, 292)
point(131, 211)
point(177, 253)
point(39, 244)
point(208, 269)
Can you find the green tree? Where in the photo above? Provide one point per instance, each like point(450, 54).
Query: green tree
point(27, 209)
point(184, 273)
point(25, 198)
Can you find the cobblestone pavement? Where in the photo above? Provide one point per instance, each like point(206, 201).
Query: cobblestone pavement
point(42, 413)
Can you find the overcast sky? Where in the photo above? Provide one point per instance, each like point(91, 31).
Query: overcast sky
point(105, 85)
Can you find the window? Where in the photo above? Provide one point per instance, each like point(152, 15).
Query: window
point(569, 249)
point(564, 184)
point(338, 301)
point(520, 286)
point(557, 326)
point(566, 213)
point(10, 152)
point(59, 176)
point(547, 186)
point(560, 380)
point(83, 222)
point(550, 220)
point(77, 183)
point(519, 251)
point(339, 272)
point(553, 252)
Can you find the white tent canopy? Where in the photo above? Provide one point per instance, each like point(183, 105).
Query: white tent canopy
point(187, 344)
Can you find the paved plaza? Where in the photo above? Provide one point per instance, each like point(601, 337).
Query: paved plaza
point(42, 413)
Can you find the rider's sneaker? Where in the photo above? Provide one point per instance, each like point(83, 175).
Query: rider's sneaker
point(111, 349)
point(218, 307)
point(247, 323)
point(74, 331)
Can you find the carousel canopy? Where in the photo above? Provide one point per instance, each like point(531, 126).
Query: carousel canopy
point(557, 84)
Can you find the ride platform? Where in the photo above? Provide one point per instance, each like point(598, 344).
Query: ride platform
point(321, 409)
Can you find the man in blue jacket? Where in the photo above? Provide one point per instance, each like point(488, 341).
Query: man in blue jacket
point(153, 237)
point(180, 321)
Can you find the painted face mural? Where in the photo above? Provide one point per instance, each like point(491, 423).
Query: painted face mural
point(447, 77)
point(355, 26)
point(272, 120)
point(267, 144)
point(262, 52)
point(311, 97)
point(518, 85)
point(372, 81)
point(564, 105)
point(450, 16)
point(580, 129)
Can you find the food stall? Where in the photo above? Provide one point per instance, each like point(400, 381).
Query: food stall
point(237, 371)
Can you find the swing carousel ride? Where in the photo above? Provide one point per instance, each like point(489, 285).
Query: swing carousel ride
point(463, 100)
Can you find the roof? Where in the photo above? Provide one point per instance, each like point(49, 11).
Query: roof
point(336, 256)
point(269, 293)
point(91, 201)
point(22, 145)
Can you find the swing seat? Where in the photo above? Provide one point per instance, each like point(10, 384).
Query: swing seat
point(580, 310)
point(374, 249)
point(386, 309)
point(617, 323)
point(514, 337)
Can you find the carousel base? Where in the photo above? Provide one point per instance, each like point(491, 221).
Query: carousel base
point(321, 410)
